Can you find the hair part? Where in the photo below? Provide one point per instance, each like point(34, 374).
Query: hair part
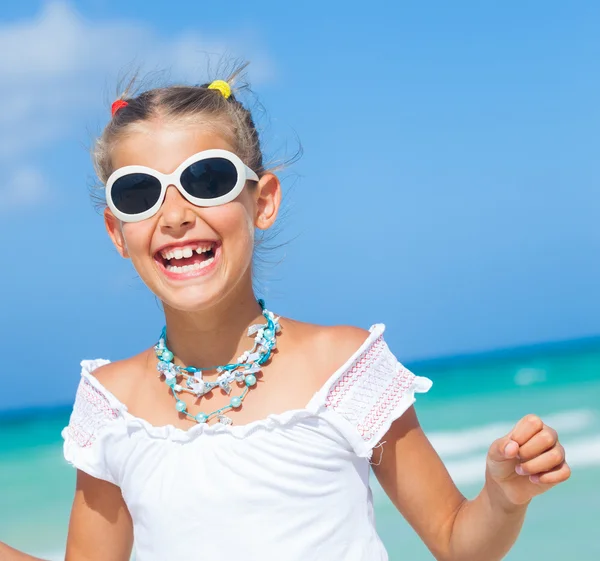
point(193, 104)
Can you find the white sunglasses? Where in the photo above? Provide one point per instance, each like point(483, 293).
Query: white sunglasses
point(208, 178)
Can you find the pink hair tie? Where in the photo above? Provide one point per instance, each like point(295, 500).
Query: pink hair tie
point(119, 104)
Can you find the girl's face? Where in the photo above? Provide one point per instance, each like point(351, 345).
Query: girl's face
point(190, 257)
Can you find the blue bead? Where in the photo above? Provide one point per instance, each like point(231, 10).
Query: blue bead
point(268, 334)
point(235, 402)
point(167, 356)
point(250, 380)
point(202, 417)
point(171, 381)
point(180, 406)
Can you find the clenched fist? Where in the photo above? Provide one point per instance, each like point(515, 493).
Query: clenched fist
point(528, 461)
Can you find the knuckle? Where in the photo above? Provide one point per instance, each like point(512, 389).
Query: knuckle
point(534, 421)
point(563, 453)
point(557, 455)
point(547, 437)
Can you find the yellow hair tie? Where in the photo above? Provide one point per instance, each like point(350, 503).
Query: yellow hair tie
point(222, 86)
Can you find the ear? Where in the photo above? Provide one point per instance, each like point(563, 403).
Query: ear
point(113, 227)
point(268, 201)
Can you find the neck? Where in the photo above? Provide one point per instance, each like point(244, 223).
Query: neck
point(214, 336)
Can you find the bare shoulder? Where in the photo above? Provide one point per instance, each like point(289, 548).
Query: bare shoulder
point(122, 376)
point(340, 341)
point(329, 347)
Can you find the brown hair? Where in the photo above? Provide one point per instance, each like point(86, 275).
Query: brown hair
point(183, 102)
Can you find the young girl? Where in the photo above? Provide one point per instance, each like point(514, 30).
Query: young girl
point(239, 434)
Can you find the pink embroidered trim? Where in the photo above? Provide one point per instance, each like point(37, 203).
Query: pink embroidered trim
point(369, 392)
point(362, 364)
point(380, 412)
point(90, 413)
point(83, 438)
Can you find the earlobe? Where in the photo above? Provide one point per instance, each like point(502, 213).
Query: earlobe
point(113, 227)
point(268, 201)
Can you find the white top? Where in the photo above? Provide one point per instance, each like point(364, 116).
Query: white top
point(293, 486)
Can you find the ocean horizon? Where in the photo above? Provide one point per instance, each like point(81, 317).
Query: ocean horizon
point(419, 365)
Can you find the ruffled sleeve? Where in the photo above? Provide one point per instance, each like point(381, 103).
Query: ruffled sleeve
point(94, 414)
point(368, 393)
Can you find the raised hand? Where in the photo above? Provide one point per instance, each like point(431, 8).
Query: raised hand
point(527, 461)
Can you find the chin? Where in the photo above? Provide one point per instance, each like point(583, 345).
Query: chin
point(201, 295)
point(192, 301)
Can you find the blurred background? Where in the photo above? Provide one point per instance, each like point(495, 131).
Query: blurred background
point(449, 188)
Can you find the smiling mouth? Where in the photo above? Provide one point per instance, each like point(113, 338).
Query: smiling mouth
point(190, 258)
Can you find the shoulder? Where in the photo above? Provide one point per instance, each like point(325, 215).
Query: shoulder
point(325, 349)
point(95, 421)
point(120, 378)
point(339, 342)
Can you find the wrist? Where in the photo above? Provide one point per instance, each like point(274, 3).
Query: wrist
point(498, 499)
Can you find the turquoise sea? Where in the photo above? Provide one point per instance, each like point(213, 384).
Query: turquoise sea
point(474, 400)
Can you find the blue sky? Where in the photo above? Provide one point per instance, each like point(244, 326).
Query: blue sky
point(449, 186)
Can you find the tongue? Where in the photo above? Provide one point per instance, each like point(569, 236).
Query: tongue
point(196, 258)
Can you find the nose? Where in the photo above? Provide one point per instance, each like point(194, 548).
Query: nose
point(176, 213)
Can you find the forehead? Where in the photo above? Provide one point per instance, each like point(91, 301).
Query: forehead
point(164, 146)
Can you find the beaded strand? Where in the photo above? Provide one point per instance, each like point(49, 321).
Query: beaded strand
point(243, 371)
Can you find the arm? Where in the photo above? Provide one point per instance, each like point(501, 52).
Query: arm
point(453, 528)
point(9, 554)
point(100, 526)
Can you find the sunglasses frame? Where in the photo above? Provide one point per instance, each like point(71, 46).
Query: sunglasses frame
point(244, 173)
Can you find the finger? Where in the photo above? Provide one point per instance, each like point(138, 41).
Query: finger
point(526, 428)
point(554, 476)
point(503, 449)
point(539, 443)
point(542, 463)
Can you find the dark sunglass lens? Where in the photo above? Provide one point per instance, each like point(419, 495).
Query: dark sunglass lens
point(135, 193)
point(210, 178)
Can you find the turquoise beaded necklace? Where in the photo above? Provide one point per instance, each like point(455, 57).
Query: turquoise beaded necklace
point(189, 379)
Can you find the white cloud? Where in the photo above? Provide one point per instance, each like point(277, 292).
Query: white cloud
point(57, 67)
point(25, 187)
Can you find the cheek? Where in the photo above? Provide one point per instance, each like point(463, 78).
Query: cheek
point(236, 225)
point(137, 238)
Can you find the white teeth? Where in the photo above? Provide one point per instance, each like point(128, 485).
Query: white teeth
point(185, 252)
point(189, 268)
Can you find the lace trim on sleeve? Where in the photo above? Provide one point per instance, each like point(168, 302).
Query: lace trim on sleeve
point(372, 391)
point(92, 412)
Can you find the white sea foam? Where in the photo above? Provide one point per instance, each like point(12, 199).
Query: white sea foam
point(529, 376)
point(454, 443)
point(583, 452)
